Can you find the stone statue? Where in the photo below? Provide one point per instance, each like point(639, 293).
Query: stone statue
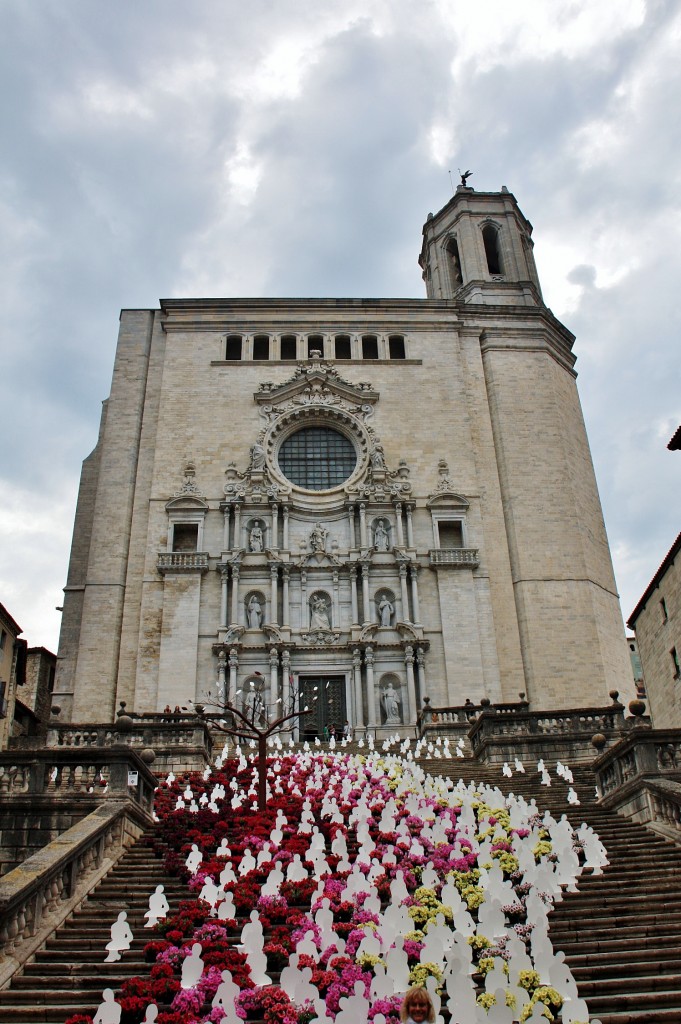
point(391, 706)
point(254, 613)
point(253, 706)
point(377, 457)
point(319, 613)
point(255, 537)
point(257, 456)
point(385, 611)
point(381, 537)
point(318, 538)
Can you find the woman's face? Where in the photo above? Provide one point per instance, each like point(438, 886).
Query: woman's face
point(419, 1008)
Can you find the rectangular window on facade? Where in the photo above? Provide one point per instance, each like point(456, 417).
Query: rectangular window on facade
point(3, 700)
point(315, 343)
point(233, 350)
point(675, 663)
point(343, 348)
point(369, 346)
point(450, 534)
point(663, 609)
point(289, 346)
point(3, 638)
point(261, 346)
point(396, 345)
point(185, 536)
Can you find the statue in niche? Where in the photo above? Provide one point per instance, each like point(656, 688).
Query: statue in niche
point(319, 613)
point(378, 457)
point(381, 536)
point(254, 613)
point(257, 456)
point(318, 537)
point(255, 537)
point(254, 708)
point(386, 610)
point(391, 705)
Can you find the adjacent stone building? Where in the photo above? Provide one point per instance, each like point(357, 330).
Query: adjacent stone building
point(364, 501)
point(657, 621)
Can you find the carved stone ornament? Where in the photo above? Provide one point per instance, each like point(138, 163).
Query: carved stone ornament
point(321, 636)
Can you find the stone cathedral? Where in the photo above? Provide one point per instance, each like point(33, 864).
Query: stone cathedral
point(366, 501)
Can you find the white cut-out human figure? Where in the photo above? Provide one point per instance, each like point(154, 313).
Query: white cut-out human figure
point(121, 937)
point(506, 770)
point(518, 765)
point(192, 967)
point(248, 862)
point(354, 1009)
point(572, 797)
point(158, 907)
point(210, 892)
point(397, 966)
point(296, 871)
point(223, 849)
point(194, 858)
point(151, 1014)
point(382, 984)
point(252, 941)
point(225, 996)
point(109, 1011)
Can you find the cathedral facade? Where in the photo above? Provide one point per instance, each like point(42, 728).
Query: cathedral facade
point(362, 501)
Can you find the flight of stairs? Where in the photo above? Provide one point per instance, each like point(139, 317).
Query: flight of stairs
point(69, 974)
point(621, 932)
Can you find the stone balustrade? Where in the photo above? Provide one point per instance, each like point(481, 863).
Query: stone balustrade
point(498, 732)
point(91, 771)
point(640, 776)
point(182, 561)
point(454, 558)
point(181, 740)
point(37, 896)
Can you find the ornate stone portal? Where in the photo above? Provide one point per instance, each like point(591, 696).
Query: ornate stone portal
point(329, 568)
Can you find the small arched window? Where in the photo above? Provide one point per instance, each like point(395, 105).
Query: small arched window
point(233, 347)
point(490, 236)
point(454, 263)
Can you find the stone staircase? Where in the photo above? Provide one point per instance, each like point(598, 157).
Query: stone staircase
point(621, 932)
point(68, 975)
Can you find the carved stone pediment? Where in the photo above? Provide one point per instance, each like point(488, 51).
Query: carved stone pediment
point(316, 383)
point(368, 632)
point(321, 636)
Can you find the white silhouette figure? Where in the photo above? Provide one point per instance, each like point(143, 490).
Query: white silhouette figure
point(109, 1011)
point(158, 907)
point(121, 937)
point(192, 968)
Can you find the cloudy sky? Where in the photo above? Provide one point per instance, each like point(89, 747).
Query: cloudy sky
point(287, 147)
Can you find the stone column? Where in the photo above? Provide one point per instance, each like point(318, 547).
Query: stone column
point(236, 605)
point(363, 525)
point(222, 665)
point(414, 569)
point(236, 543)
point(224, 582)
point(336, 601)
point(358, 702)
point(272, 705)
point(371, 696)
point(275, 526)
point(398, 521)
point(353, 595)
point(274, 601)
point(285, 538)
point(403, 591)
point(233, 666)
point(285, 598)
point(351, 525)
point(304, 609)
point(411, 689)
point(365, 593)
point(410, 527)
point(225, 528)
point(286, 687)
point(421, 662)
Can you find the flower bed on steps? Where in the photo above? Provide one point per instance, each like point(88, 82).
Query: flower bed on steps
point(329, 788)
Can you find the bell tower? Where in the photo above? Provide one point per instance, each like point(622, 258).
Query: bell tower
point(478, 249)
